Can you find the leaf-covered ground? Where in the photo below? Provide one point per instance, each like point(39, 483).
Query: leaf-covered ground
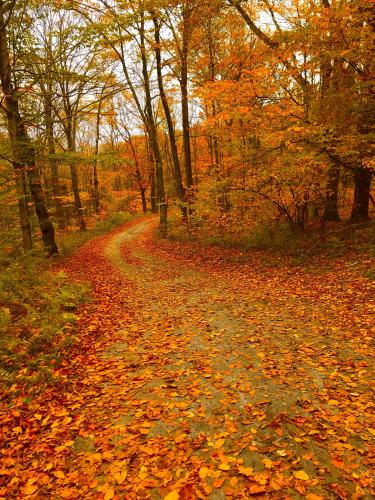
point(198, 374)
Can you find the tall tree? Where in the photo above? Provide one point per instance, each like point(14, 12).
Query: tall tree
point(22, 146)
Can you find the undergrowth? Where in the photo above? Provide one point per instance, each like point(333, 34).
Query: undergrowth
point(278, 241)
point(37, 319)
point(38, 309)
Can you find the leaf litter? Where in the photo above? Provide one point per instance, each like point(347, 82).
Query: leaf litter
point(198, 377)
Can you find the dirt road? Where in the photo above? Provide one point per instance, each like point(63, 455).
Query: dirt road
point(200, 378)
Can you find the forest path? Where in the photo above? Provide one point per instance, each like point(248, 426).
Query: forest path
point(199, 374)
point(226, 384)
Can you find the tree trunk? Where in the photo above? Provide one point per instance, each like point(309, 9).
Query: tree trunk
point(23, 209)
point(56, 191)
point(180, 191)
point(138, 174)
point(96, 187)
point(75, 184)
point(153, 196)
point(184, 95)
point(331, 212)
point(96, 198)
point(362, 194)
point(23, 153)
point(46, 227)
point(144, 202)
point(77, 199)
point(152, 131)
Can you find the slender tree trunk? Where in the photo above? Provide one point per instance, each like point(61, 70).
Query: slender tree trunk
point(153, 193)
point(23, 154)
point(46, 227)
point(142, 189)
point(23, 209)
point(168, 116)
point(75, 183)
point(56, 190)
point(163, 209)
point(184, 95)
point(138, 174)
point(96, 195)
point(214, 143)
point(362, 194)
point(77, 199)
point(331, 212)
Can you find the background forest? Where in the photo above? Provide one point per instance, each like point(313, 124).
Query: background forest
point(233, 116)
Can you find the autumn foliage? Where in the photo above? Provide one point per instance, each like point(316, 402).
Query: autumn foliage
point(205, 168)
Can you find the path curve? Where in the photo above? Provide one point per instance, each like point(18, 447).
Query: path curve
point(234, 382)
point(196, 376)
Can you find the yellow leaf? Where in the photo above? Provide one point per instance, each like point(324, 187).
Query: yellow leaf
point(173, 495)
point(59, 474)
point(142, 473)
point(109, 494)
point(246, 471)
point(224, 467)
point(301, 474)
point(333, 402)
point(267, 463)
point(203, 471)
point(121, 476)
point(219, 443)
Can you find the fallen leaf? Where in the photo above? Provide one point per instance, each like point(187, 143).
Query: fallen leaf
point(173, 495)
point(301, 474)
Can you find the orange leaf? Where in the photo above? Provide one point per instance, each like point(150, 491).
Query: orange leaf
point(218, 483)
point(121, 476)
point(203, 471)
point(66, 493)
point(255, 489)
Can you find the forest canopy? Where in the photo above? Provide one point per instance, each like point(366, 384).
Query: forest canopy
point(231, 113)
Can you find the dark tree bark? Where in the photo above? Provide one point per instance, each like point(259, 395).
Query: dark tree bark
point(362, 195)
point(331, 212)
